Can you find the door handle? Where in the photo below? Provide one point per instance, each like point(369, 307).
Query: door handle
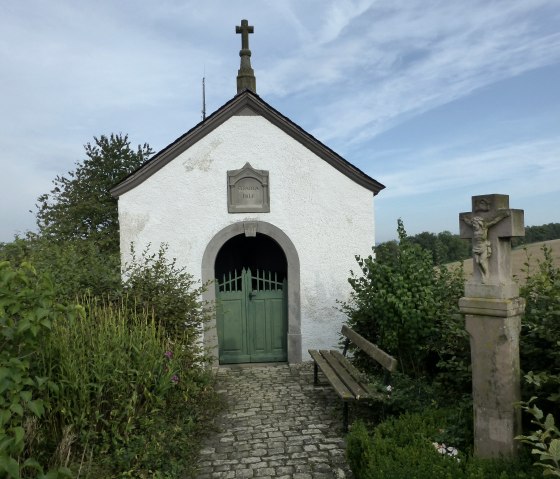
point(252, 294)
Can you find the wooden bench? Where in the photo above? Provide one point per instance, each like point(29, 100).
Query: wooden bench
point(346, 380)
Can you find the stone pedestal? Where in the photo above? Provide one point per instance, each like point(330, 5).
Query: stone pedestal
point(494, 327)
point(493, 312)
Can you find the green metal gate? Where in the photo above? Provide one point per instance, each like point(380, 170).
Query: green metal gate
point(251, 317)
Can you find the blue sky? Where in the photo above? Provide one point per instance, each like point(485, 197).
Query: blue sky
point(437, 99)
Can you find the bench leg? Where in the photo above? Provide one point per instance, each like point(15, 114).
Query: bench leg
point(345, 417)
point(315, 374)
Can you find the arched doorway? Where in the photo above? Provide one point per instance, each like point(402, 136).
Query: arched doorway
point(251, 300)
point(211, 263)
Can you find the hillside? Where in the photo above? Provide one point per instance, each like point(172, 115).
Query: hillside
point(519, 257)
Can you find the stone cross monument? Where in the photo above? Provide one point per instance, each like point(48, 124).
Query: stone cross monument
point(493, 310)
point(245, 75)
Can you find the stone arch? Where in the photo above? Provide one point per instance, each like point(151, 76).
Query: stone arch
point(294, 301)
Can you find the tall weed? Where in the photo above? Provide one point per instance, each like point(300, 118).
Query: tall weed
point(113, 366)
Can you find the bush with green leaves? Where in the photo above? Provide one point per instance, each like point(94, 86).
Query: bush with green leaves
point(76, 267)
point(130, 366)
point(403, 448)
point(545, 440)
point(28, 312)
point(409, 308)
point(155, 283)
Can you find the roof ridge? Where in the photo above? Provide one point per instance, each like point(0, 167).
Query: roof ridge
point(250, 99)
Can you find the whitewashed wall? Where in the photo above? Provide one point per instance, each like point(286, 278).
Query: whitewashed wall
point(327, 216)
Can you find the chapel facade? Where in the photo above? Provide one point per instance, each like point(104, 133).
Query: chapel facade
point(273, 218)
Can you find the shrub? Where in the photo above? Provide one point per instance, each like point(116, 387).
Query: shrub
point(76, 267)
point(410, 309)
point(27, 314)
point(545, 440)
point(155, 283)
point(111, 383)
point(402, 448)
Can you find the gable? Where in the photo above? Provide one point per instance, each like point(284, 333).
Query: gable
point(245, 103)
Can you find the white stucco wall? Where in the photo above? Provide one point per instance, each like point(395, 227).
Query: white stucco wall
point(328, 217)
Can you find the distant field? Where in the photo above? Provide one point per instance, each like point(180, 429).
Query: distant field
point(519, 258)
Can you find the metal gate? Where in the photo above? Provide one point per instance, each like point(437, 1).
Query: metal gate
point(251, 317)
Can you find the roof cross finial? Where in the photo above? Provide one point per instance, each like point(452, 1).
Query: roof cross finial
point(245, 76)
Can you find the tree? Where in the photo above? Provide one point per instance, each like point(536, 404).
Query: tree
point(426, 241)
point(80, 207)
point(535, 234)
point(456, 249)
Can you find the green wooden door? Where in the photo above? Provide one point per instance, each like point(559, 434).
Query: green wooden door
point(251, 317)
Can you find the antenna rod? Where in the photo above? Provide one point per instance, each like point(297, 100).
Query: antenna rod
point(203, 98)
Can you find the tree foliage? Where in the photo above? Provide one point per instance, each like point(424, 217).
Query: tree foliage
point(536, 234)
point(80, 206)
point(445, 247)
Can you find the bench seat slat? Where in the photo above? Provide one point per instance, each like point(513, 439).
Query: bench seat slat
point(387, 361)
point(354, 372)
point(331, 375)
point(343, 372)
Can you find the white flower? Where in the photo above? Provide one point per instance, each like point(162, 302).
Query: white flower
point(389, 388)
point(446, 450)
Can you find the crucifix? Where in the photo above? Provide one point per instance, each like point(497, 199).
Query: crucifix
point(491, 225)
point(493, 309)
point(245, 76)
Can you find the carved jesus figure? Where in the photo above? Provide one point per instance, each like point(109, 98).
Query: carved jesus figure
point(482, 248)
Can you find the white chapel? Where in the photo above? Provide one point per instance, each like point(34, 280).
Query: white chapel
point(271, 216)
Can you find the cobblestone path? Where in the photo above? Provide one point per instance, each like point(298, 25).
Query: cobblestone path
point(277, 425)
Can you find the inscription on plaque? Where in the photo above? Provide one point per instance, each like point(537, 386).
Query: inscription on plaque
point(248, 190)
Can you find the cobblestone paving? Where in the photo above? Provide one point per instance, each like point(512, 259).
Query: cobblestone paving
point(277, 425)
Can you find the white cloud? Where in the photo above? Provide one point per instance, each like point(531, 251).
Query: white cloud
point(524, 168)
point(389, 61)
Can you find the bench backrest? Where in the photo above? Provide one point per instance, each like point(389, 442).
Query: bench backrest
point(387, 361)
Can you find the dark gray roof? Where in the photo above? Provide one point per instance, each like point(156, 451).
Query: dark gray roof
point(244, 103)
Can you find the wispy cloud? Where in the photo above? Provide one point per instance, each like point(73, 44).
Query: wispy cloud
point(388, 62)
point(524, 168)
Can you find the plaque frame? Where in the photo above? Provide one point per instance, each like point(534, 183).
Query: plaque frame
point(259, 178)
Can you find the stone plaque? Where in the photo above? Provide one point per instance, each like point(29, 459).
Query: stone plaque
point(248, 190)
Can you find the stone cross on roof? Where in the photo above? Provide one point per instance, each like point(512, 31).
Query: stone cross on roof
point(245, 76)
point(491, 225)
